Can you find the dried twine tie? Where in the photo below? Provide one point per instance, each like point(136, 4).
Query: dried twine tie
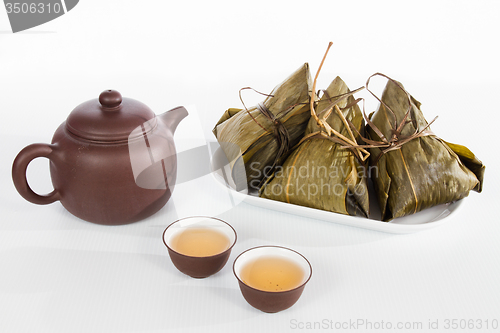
point(331, 134)
point(279, 130)
point(397, 139)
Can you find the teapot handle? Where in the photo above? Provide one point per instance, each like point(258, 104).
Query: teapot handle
point(20, 166)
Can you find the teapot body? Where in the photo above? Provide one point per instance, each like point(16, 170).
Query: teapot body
point(96, 181)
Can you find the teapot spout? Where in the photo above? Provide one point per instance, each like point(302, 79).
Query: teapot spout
point(173, 117)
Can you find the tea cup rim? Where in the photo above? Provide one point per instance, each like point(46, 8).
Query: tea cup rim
point(273, 292)
point(201, 216)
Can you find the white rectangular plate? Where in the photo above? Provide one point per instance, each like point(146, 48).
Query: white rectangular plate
point(426, 219)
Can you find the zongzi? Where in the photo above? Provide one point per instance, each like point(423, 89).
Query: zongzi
point(257, 139)
point(321, 173)
point(413, 169)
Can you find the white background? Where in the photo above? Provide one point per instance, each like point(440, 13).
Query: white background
point(61, 274)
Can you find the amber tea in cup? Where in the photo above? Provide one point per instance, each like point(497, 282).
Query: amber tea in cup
point(199, 246)
point(200, 242)
point(272, 273)
point(271, 278)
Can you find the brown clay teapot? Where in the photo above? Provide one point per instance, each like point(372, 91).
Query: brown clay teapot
point(113, 161)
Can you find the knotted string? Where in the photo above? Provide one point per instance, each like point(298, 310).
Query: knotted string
point(327, 132)
point(331, 134)
point(279, 130)
point(397, 139)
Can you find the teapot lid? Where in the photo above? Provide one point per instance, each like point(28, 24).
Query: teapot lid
point(109, 118)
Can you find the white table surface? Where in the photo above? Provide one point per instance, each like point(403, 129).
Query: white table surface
point(61, 274)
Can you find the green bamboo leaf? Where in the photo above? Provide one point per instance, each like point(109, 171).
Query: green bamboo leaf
point(248, 137)
point(320, 174)
point(425, 171)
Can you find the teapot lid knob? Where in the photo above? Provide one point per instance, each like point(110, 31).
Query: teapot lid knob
point(110, 98)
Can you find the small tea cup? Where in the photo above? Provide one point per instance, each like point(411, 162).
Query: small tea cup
point(274, 283)
point(199, 246)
